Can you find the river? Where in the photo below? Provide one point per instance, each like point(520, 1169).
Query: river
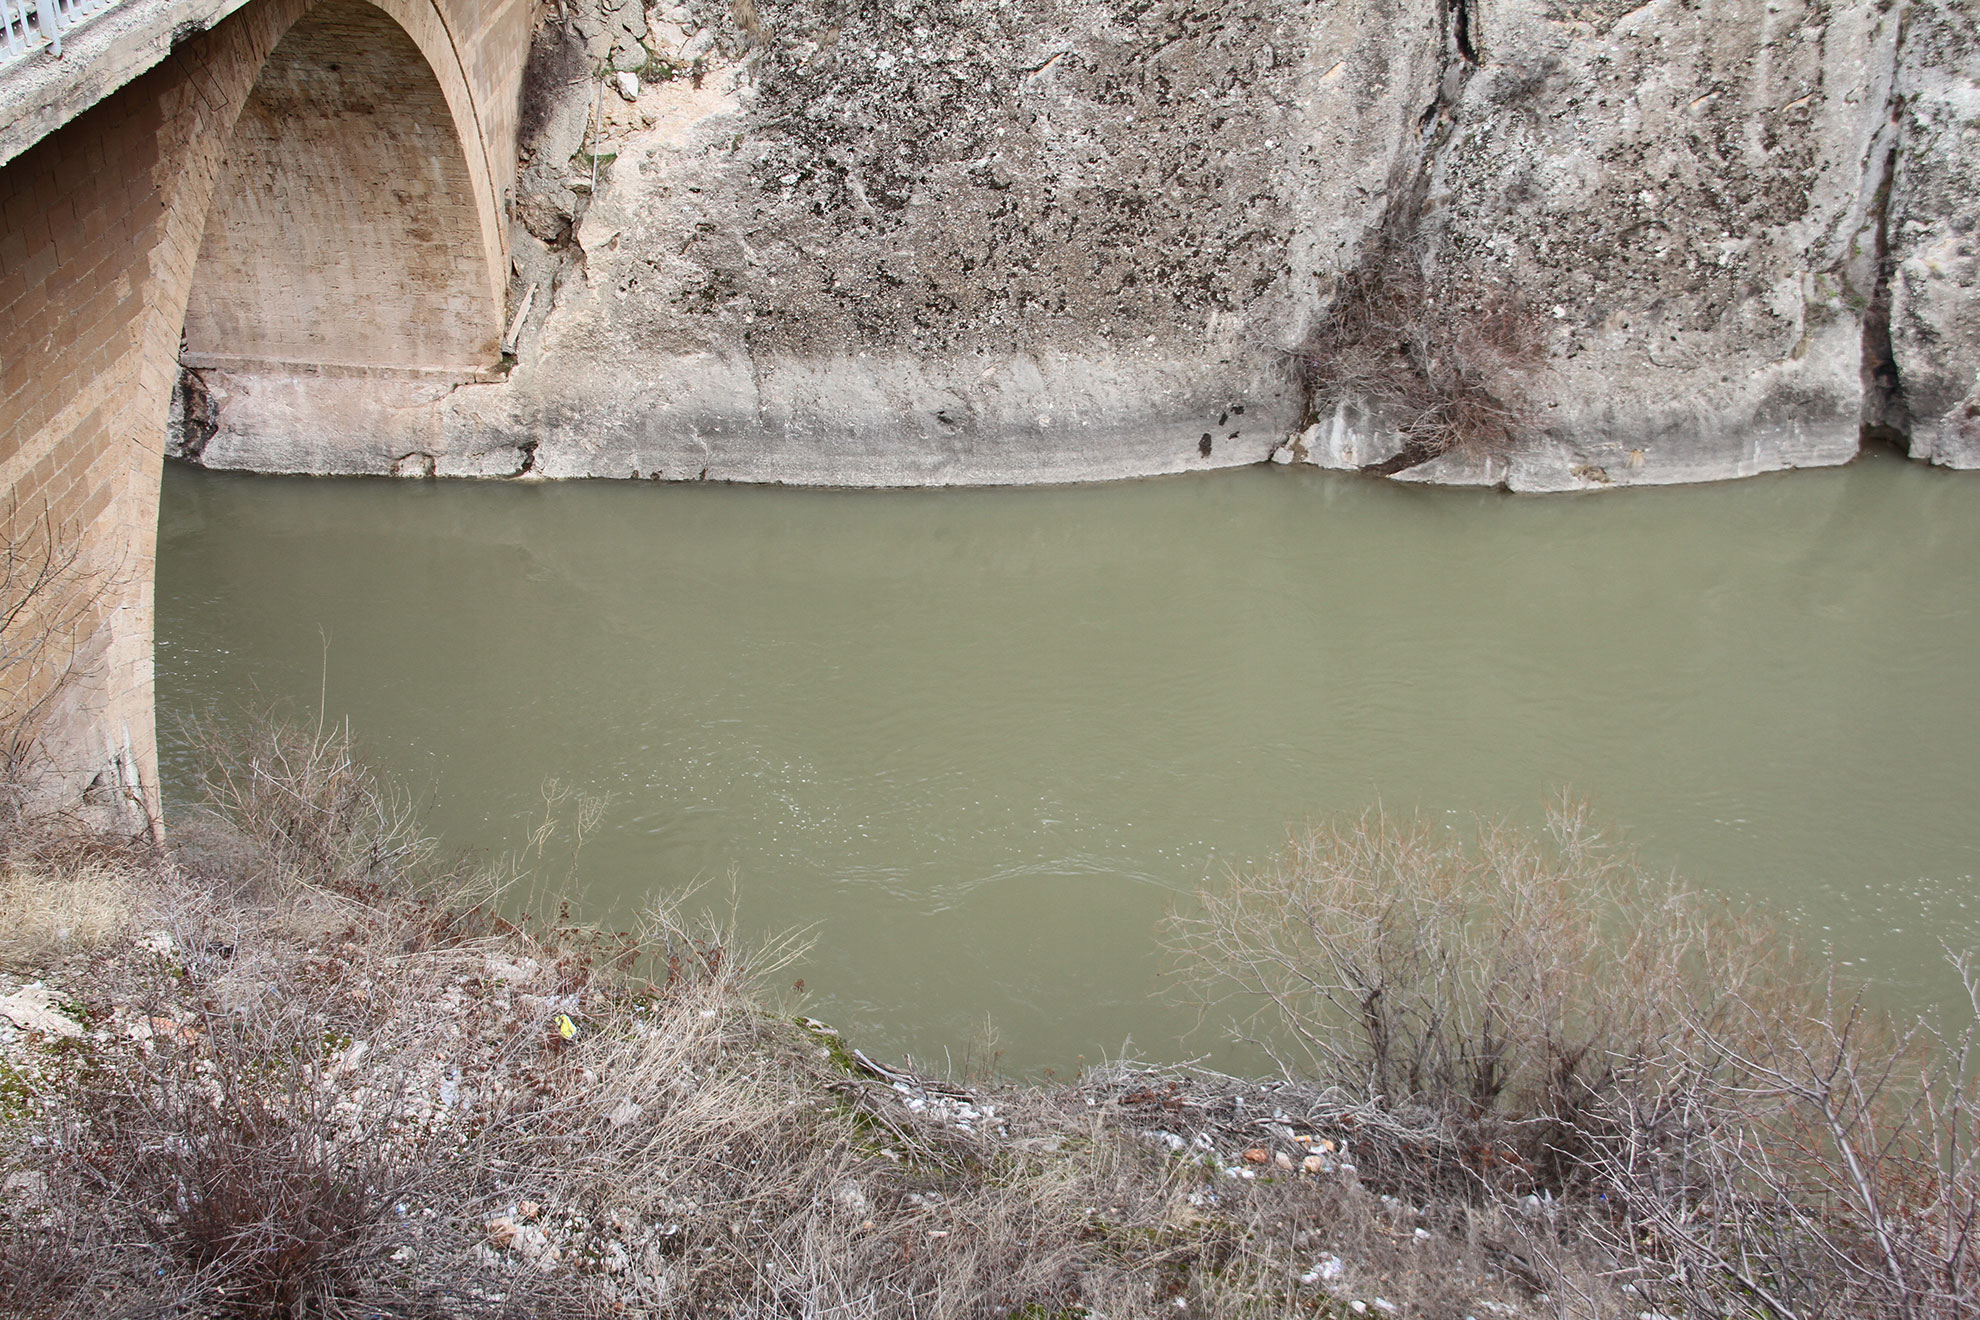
point(980, 740)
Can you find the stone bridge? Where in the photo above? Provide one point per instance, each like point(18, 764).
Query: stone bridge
point(311, 187)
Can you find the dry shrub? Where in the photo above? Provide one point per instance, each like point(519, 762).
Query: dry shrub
point(311, 812)
point(253, 1130)
point(259, 1094)
point(1811, 1160)
point(1503, 987)
point(303, 796)
point(1511, 1018)
point(259, 1161)
point(1430, 1255)
point(1438, 360)
point(41, 1276)
point(247, 1172)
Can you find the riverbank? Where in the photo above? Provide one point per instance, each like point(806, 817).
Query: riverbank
point(421, 1136)
point(295, 1066)
point(298, 1065)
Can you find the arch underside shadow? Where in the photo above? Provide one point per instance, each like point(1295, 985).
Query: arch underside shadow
point(351, 225)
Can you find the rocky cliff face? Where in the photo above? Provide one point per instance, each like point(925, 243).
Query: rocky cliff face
point(918, 241)
point(1932, 227)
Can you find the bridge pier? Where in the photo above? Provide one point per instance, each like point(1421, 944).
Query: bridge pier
point(313, 217)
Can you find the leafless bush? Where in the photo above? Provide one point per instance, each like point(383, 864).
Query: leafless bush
point(1513, 1016)
point(1440, 360)
point(1503, 987)
point(244, 1172)
point(319, 815)
point(257, 1117)
point(1816, 1162)
point(41, 1275)
point(261, 1160)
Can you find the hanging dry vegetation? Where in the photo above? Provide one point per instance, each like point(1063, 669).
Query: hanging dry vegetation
point(1442, 361)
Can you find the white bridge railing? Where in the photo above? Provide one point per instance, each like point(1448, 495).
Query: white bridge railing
point(27, 26)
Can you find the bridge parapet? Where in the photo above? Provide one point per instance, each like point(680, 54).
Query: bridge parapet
point(26, 27)
point(34, 24)
point(42, 88)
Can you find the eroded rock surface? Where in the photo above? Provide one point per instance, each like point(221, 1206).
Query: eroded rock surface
point(1042, 240)
point(934, 242)
point(1934, 232)
point(1687, 191)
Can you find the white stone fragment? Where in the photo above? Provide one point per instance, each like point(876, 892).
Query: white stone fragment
point(32, 1008)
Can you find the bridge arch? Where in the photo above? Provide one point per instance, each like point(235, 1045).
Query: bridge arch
point(270, 207)
point(354, 220)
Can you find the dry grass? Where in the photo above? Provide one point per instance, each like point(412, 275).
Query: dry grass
point(55, 908)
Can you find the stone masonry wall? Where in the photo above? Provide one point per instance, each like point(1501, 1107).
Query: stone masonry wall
point(99, 226)
point(344, 230)
point(72, 306)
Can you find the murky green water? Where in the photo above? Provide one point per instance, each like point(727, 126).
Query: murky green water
point(979, 739)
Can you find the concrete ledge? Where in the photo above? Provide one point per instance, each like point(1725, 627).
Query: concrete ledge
point(450, 375)
point(43, 91)
point(840, 421)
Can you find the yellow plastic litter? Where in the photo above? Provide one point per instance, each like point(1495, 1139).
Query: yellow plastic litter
point(566, 1027)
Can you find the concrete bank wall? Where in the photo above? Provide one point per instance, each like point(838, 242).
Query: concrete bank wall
point(1047, 240)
